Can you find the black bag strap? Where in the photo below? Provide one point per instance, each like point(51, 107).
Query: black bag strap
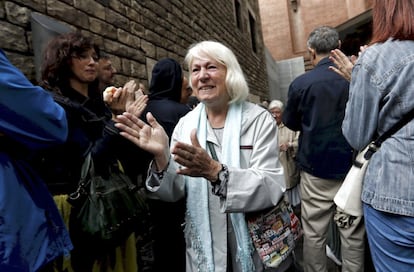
point(212, 151)
point(375, 145)
point(86, 166)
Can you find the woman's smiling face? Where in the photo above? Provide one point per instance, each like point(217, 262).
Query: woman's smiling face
point(208, 79)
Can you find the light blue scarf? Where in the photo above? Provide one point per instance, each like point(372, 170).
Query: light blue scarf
point(197, 218)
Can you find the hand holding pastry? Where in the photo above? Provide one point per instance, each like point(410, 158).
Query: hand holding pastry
point(108, 94)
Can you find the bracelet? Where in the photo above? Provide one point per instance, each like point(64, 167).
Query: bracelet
point(219, 187)
point(161, 173)
point(223, 175)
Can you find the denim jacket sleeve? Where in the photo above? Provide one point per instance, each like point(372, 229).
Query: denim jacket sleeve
point(359, 126)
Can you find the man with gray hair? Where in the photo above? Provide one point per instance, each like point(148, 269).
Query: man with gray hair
point(316, 108)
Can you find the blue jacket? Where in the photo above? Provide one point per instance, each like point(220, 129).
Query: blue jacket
point(32, 232)
point(381, 92)
point(316, 108)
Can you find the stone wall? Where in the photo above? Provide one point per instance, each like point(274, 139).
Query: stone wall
point(137, 33)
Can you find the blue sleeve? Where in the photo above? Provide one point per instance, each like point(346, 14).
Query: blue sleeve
point(362, 109)
point(28, 114)
point(292, 117)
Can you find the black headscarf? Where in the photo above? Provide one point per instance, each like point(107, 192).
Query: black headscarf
point(166, 81)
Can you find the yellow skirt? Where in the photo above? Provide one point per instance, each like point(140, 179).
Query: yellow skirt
point(125, 255)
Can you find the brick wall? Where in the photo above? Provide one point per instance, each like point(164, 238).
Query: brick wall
point(285, 31)
point(136, 33)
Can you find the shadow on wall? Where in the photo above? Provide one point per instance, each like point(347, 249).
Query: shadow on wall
point(44, 29)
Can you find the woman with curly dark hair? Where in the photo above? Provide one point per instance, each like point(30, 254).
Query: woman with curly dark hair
point(69, 71)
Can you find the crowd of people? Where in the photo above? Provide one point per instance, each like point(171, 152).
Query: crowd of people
point(205, 156)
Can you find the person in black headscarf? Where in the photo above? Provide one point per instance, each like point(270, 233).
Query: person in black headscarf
point(167, 88)
point(168, 95)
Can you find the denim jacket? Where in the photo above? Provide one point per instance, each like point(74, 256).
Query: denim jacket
point(381, 92)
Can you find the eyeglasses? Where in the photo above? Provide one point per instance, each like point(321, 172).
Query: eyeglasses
point(86, 57)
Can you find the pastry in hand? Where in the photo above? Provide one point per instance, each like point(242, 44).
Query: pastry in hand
point(108, 94)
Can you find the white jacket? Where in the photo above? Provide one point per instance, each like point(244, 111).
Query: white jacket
point(258, 184)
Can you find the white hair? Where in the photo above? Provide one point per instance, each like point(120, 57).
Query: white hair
point(236, 83)
point(276, 104)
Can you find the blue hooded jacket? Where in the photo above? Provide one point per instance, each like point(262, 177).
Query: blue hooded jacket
point(32, 232)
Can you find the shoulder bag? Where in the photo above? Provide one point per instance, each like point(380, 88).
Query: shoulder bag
point(109, 208)
point(348, 197)
point(274, 231)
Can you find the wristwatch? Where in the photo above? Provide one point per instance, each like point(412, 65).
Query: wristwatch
point(223, 174)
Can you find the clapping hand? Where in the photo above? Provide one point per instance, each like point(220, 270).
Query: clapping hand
point(284, 147)
point(343, 64)
point(117, 99)
point(195, 159)
point(137, 106)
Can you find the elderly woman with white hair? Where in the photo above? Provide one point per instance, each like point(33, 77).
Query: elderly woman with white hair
point(288, 146)
point(247, 176)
